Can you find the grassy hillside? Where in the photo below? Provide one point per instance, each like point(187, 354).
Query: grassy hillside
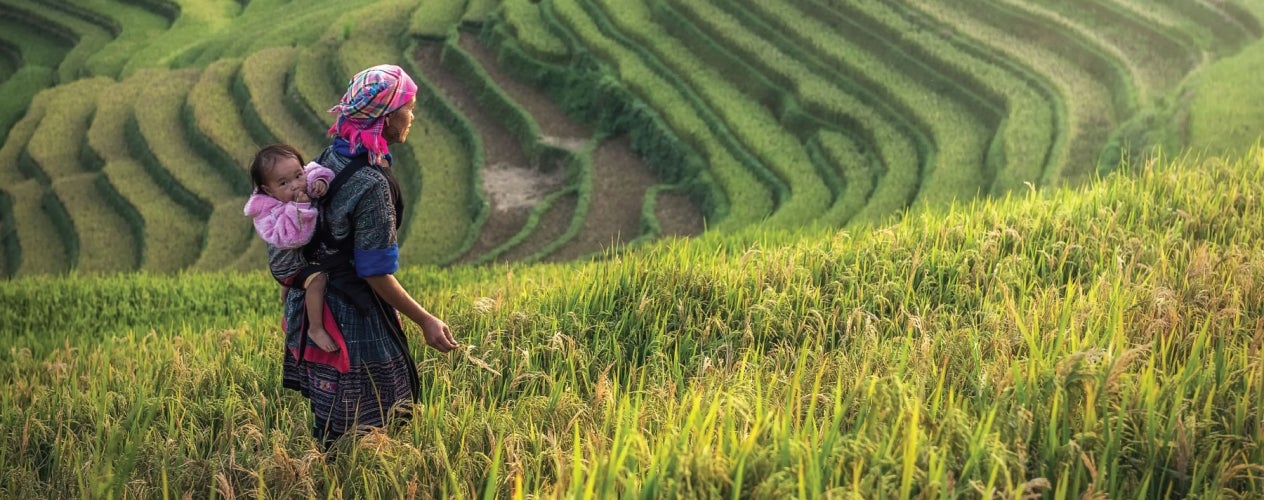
point(558, 129)
point(1067, 344)
point(952, 248)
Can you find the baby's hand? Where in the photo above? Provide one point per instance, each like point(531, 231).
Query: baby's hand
point(318, 188)
point(301, 197)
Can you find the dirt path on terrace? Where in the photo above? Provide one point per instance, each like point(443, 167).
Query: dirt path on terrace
point(513, 189)
point(619, 178)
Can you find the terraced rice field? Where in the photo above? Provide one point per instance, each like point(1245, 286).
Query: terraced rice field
point(565, 129)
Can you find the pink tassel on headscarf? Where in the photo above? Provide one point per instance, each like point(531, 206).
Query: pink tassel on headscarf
point(371, 95)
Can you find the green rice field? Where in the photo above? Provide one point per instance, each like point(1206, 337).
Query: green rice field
point(691, 249)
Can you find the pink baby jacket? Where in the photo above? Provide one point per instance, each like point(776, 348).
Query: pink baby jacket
point(287, 225)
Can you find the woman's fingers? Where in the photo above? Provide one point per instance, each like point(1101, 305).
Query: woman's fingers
point(440, 338)
point(447, 334)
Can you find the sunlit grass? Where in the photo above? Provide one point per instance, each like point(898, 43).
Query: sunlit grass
point(1065, 343)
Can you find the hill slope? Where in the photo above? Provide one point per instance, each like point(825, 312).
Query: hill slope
point(1102, 341)
point(555, 130)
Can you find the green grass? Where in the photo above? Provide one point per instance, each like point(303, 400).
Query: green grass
point(748, 200)
point(173, 233)
point(215, 116)
point(88, 36)
point(1219, 120)
point(751, 126)
point(1085, 87)
point(1067, 343)
point(107, 242)
point(530, 29)
point(265, 74)
point(197, 20)
point(436, 18)
point(163, 134)
point(62, 132)
point(41, 246)
point(38, 43)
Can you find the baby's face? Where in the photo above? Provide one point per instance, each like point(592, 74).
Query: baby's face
point(286, 180)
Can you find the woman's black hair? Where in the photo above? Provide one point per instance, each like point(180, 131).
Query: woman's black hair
point(267, 157)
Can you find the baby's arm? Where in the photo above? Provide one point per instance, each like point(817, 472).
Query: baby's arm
point(318, 179)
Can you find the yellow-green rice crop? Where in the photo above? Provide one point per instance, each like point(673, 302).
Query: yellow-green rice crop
point(1090, 115)
point(1096, 342)
point(87, 37)
point(106, 240)
point(230, 237)
point(62, 131)
point(264, 74)
point(1028, 123)
point(40, 44)
point(41, 249)
point(1162, 56)
point(531, 31)
point(317, 81)
point(857, 172)
point(751, 125)
point(215, 112)
point(748, 200)
point(138, 27)
point(173, 232)
point(436, 18)
point(1221, 121)
point(196, 21)
point(958, 135)
point(476, 11)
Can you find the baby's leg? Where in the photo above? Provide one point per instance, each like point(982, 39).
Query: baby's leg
point(315, 301)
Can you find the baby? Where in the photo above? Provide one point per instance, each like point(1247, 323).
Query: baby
point(285, 218)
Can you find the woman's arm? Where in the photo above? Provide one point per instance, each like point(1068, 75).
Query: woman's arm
point(434, 330)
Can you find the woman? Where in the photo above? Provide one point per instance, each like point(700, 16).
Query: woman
point(356, 245)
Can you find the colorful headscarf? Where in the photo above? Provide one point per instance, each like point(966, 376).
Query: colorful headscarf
point(371, 94)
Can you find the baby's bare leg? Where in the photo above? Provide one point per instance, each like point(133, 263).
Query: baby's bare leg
point(315, 301)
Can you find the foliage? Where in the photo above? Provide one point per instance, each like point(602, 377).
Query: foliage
point(1098, 341)
point(1220, 121)
point(436, 18)
point(525, 23)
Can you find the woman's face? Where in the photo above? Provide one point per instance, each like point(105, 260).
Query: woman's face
point(399, 122)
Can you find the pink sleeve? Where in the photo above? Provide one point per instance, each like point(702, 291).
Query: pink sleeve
point(317, 172)
point(287, 225)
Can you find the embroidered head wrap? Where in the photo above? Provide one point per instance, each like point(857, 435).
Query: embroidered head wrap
point(371, 95)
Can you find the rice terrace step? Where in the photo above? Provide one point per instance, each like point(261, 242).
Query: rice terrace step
point(692, 248)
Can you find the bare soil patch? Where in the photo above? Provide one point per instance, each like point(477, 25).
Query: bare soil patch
point(619, 182)
point(620, 178)
point(510, 185)
point(552, 225)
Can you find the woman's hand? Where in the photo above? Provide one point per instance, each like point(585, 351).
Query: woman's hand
point(437, 334)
